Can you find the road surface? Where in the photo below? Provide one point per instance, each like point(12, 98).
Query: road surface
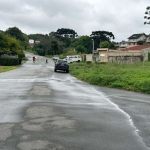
point(44, 110)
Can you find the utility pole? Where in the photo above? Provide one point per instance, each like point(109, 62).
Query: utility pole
point(93, 46)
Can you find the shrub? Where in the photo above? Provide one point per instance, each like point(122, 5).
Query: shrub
point(10, 61)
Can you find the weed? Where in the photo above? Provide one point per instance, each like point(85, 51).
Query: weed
point(126, 76)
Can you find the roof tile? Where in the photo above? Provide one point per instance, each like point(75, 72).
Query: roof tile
point(138, 47)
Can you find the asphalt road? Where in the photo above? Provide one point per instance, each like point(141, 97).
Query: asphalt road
point(44, 110)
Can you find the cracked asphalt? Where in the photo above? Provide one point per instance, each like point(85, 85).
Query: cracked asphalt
point(44, 110)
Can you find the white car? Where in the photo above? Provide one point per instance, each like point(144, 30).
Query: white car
point(73, 58)
point(55, 57)
point(68, 60)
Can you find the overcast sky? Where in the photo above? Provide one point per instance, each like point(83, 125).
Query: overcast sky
point(121, 17)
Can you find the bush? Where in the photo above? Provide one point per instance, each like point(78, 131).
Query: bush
point(10, 61)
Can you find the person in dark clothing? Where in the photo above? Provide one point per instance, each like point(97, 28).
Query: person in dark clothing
point(33, 58)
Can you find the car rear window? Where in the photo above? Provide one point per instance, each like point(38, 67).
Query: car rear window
point(61, 61)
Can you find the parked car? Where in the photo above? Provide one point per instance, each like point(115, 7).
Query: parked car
point(61, 65)
point(55, 57)
point(74, 58)
point(68, 60)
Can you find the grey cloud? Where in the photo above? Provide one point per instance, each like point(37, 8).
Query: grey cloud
point(122, 17)
point(73, 8)
point(8, 6)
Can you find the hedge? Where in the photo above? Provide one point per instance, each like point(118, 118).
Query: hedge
point(10, 61)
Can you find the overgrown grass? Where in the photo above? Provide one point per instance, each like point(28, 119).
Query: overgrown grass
point(134, 77)
point(7, 68)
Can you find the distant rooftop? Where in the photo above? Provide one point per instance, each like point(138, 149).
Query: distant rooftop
point(138, 47)
point(136, 36)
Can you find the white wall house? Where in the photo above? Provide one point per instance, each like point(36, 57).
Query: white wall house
point(31, 41)
point(135, 38)
point(123, 44)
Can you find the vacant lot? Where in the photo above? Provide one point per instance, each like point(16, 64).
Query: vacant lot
point(134, 77)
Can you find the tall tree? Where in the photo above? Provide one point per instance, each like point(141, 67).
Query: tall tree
point(147, 15)
point(65, 35)
point(10, 45)
point(37, 36)
point(101, 36)
point(64, 32)
point(17, 33)
point(54, 47)
point(52, 34)
point(84, 43)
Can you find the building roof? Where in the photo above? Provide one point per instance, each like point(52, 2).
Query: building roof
point(135, 48)
point(136, 36)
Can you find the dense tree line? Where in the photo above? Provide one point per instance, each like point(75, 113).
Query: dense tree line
point(63, 39)
point(48, 45)
point(14, 40)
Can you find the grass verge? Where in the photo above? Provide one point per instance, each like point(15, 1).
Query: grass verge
point(7, 68)
point(133, 77)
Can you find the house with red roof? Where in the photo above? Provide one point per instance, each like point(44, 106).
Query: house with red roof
point(136, 48)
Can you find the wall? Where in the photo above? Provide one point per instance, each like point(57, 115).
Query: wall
point(103, 56)
point(117, 56)
point(88, 57)
point(125, 57)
